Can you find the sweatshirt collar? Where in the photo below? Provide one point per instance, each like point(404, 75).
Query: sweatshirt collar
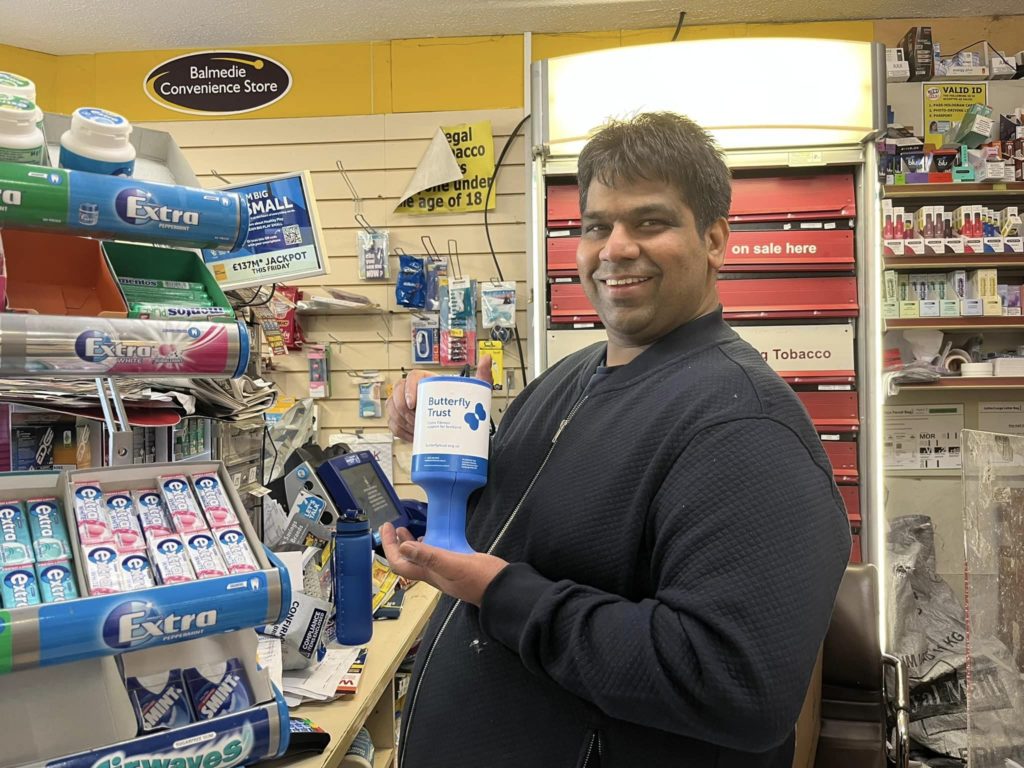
point(706, 331)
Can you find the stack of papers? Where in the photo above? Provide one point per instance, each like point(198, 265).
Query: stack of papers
point(151, 402)
point(337, 675)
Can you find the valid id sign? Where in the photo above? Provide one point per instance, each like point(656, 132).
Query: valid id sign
point(284, 242)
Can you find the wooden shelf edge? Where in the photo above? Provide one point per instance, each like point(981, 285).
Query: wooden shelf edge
point(966, 189)
point(970, 382)
point(954, 261)
point(956, 323)
point(384, 757)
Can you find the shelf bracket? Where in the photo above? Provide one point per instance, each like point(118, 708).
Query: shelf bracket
point(119, 431)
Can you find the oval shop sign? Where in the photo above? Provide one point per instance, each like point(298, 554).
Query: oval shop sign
point(217, 82)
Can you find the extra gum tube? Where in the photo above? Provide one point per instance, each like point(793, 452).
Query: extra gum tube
point(49, 530)
point(56, 581)
point(53, 345)
point(237, 555)
point(214, 501)
point(181, 504)
point(123, 522)
point(15, 538)
point(135, 571)
point(90, 515)
point(119, 208)
point(100, 562)
point(170, 560)
point(18, 586)
point(206, 559)
point(152, 515)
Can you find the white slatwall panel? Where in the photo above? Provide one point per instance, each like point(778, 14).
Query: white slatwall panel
point(380, 153)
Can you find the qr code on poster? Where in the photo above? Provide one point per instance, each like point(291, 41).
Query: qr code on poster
point(292, 234)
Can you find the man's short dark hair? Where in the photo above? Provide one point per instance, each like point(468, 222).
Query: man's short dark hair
point(660, 146)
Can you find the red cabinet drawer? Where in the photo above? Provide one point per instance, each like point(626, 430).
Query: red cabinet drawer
point(843, 457)
point(562, 255)
point(832, 411)
point(784, 198)
point(789, 297)
point(782, 250)
point(768, 198)
point(564, 205)
point(569, 304)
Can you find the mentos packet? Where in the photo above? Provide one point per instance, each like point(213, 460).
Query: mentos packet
point(56, 581)
point(170, 560)
point(15, 538)
point(218, 689)
point(238, 556)
point(91, 516)
point(152, 515)
point(160, 701)
point(135, 571)
point(18, 586)
point(205, 556)
point(100, 561)
point(123, 522)
point(49, 530)
point(214, 501)
point(181, 504)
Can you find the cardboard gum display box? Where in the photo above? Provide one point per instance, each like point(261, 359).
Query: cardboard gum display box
point(44, 646)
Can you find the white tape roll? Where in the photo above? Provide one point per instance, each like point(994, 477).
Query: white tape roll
point(954, 359)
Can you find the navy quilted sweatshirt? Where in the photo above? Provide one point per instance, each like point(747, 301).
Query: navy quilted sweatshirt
point(675, 547)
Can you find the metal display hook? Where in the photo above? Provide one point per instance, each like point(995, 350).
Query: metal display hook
point(360, 219)
point(219, 177)
point(453, 252)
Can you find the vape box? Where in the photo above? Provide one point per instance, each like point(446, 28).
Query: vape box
point(890, 309)
point(929, 308)
point(992, 306)
point(971, 307)
point(949, 308)
point(911, 308)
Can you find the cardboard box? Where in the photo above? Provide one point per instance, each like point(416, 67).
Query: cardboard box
point(149, 262)
point(911, 308)
point(992, 306)
point(929, 308)
point(981, 284)
point(891, 309)
point(949, 308)
point(919, 53)
point(971, 308)
point(49, 274)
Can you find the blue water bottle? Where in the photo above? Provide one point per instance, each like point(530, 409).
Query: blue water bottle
point(451, 443)
point(353, 578)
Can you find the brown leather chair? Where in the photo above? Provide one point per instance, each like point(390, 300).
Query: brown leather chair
point(863, 691)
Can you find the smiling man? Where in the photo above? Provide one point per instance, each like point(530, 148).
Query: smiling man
point(660, 540)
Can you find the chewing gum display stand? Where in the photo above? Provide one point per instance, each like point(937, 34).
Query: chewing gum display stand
point(62, 698)
point(449, 455)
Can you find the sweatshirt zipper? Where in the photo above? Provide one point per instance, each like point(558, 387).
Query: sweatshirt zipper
point(451, 611)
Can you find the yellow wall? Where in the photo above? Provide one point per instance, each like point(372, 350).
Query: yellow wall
point(427, 74)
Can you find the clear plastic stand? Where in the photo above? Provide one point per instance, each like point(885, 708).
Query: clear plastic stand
point(993, 474)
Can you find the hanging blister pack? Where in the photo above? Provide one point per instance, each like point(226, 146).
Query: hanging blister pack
point(436, 274)
point(458, 322)
point(498, 304)
point(411, 288)
point(426, 334)
point(369, 398)
point(372, 247)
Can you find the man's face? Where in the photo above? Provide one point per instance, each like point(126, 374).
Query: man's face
point(642, 262)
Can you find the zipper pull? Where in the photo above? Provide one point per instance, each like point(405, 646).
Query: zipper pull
point(559, 430)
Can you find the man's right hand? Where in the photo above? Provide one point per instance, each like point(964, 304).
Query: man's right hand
point(401, 406)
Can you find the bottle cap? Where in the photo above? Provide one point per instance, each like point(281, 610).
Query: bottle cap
point(353, 521)
point(99, 121)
